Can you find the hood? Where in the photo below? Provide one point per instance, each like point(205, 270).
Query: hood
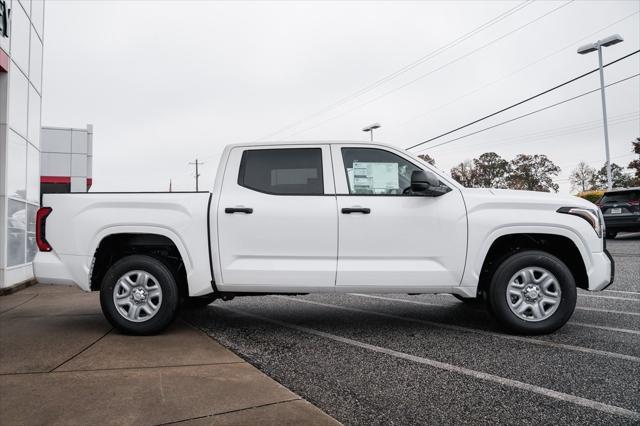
point(536, 199)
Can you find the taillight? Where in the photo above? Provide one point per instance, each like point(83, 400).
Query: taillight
point(634, 203)
point(41, 220)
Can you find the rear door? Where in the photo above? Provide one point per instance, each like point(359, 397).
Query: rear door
point(277, 218)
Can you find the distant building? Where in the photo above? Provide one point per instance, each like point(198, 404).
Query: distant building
point(21, 42)
point(66, 159)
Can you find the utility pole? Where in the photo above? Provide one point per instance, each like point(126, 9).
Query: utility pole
point(196, 163)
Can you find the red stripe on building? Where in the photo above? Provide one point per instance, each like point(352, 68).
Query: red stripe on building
point(89, 183)
point(55, 179)
point(4, 61)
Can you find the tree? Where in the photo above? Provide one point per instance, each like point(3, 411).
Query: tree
point(491, 171)
point(619, 178)
point(582, 177)
point(465, 174)
point(429, 159)
point(533, 173)
point(635, 164)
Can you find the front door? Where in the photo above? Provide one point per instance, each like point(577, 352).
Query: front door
point(387, 237)
point(277, 220)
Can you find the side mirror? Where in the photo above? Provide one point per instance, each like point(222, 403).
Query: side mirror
point(427, 184)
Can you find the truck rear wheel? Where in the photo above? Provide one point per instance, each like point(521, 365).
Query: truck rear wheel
point(532, 292)
point(139, 295)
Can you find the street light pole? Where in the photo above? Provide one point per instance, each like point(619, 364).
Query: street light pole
point(371, 128)
point(604, 117)
point(597, 46)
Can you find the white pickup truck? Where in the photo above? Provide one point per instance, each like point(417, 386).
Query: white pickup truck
point(324, 217)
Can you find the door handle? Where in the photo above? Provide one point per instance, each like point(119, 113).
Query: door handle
point(231, 210)
point(349, 210)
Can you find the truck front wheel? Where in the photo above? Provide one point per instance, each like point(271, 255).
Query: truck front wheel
point(532, 292)
point(139, 295)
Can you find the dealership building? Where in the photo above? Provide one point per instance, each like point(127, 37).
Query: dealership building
point(21, 46)
point(66, 159)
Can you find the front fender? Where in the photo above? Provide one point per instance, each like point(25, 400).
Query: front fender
point(477, 256)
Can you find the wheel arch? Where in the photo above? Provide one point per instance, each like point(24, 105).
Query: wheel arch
point(569, 250)
point(161, 244)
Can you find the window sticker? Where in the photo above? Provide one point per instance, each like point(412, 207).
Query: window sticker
point(373, 178)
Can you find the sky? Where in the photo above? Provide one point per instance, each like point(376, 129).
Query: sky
point(166, 82)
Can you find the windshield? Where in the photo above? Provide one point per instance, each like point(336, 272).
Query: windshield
point(620, 197)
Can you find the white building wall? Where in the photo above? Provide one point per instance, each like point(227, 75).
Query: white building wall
point(67, 156)
point(20, 106)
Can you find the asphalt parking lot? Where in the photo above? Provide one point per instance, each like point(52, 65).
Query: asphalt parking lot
point(400, 359)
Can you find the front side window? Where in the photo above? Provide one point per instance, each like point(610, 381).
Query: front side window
point(287, 171)
point(376, 171)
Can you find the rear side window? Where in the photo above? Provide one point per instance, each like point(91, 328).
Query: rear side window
point(287, 171)
point(620, 197)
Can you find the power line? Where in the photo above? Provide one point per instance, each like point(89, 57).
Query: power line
point(406, 68)
point(434, 70)
point(525, 115)
point(522, 101)
point(559, 131)
point(511, 74)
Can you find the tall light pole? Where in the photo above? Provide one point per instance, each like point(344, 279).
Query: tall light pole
point(371, 128)
point(592, 47)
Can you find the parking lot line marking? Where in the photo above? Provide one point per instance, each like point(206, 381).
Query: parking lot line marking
point(603, 327)
point(621, 291)
point(475, 330)
point(487, 377)
point(609, 311)
point(609, 297)
point(415, 302)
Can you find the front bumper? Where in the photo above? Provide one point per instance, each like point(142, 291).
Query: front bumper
point(602, 271)
point(628, 222)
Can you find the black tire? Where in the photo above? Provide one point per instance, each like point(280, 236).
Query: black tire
point(168, 304)
point(497, 295)
point(199, 302)
point(611, 235)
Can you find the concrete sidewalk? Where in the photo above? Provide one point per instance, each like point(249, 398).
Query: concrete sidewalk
point(62, 363)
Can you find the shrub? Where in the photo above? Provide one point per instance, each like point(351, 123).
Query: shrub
point(593, 195)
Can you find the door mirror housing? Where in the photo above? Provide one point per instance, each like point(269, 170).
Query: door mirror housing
point(427, 184)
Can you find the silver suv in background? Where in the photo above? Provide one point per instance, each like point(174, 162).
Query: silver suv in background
point(621, 210)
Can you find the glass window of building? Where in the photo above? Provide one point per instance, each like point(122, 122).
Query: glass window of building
point(20, 30)
point(37, 15)
point(32, 247)
point(18, 99)
point(33, 133)
point(16, 166)
point(35, 63)
point(33, 174)
point(16, 232)
point(26, 4)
